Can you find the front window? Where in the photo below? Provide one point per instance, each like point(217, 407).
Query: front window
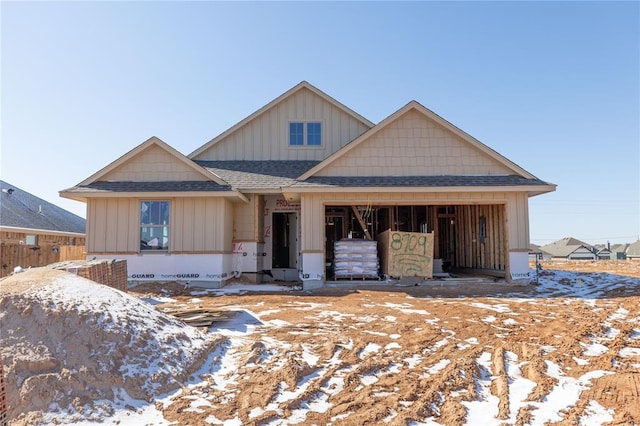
point(305, 133)
point(154, 225)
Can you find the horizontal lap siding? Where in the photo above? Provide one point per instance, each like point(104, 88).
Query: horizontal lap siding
point(414, 145)
point(154, 164)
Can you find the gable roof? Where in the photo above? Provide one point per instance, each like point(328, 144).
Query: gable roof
point(257, 175)
point(564, 247)
point(634, 249)
point(414, 105)
point(300, 86)
point(137, 150)
point(20, 209)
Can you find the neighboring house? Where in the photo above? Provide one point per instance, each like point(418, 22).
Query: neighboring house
point(570, 248)
point(633, 251)
point(27, 219)
point(604, 254)
point(536, 253)
point(619, 251)
point(275, 191)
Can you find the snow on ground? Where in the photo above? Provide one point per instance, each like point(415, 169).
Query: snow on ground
point(321, 359)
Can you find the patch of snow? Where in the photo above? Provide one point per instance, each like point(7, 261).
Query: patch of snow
point(308, 356)
point(564, 395)
point(500, 307)
point(375, 333)
point(484, 410)
point(390, 318)
point(629, 352)
point(490, 318)
point(439, 366)
point(509, 321)
point(580, 361)
point(393, 345)
point(593, 349)
point(596, 414)
point(395, 336)
point(413, 361)
point(369, 349)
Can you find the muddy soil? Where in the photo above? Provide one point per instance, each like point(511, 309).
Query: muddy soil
point(429, 353)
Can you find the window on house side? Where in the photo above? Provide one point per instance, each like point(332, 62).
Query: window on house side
point(32, 240)
point(314, 134)
point(305, 134)
point(154, 225)
point(296, 134)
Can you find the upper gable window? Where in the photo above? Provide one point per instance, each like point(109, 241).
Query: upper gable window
point(305, 133)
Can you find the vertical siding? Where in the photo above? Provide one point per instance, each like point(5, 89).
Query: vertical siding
point(245, 219)
point(267, 136)
point(196, 225)
point(518, 219)
point(201, 225)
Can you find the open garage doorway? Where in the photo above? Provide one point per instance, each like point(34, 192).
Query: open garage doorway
point(466, 237)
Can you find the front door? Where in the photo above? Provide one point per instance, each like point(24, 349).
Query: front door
point(285, 241)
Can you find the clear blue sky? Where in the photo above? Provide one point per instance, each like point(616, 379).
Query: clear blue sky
point(553, 86)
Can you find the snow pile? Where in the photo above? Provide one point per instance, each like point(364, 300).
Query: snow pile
point(83, 349)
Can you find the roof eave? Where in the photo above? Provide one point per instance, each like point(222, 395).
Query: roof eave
point(84, 196)
point(539, 189)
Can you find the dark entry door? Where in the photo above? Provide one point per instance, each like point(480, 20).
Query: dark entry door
point(282, 239)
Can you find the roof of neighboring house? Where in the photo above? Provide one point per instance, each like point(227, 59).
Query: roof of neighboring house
point(20, 209)
point(634, 249)
point(564, 247)
point(619, 248)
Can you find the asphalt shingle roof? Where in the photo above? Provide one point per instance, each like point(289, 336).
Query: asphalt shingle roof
point(21, 209)
point(429, 181)
point(564, 247)
point(160, 186)
point(258, 174)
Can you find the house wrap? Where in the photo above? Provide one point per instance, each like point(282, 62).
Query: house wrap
point(271, 196)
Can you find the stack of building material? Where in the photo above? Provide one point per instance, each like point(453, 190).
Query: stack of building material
point(356, 258)
point(111, 272)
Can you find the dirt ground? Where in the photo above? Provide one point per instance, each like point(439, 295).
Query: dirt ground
point(420, 354)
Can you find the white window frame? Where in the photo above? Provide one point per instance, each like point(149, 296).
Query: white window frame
point(305, 134)
point(150, 240)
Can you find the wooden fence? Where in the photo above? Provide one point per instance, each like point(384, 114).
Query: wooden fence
point(25, 256)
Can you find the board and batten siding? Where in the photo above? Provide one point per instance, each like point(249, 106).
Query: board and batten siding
point(516, 211)
point(267, 136)
point(197, 225)
point(153, 164)
point(248, 219)
point(414, 145)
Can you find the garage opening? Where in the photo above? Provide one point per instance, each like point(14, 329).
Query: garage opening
point(466, 237)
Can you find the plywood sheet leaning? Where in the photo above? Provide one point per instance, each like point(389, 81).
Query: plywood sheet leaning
point(406, 254)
